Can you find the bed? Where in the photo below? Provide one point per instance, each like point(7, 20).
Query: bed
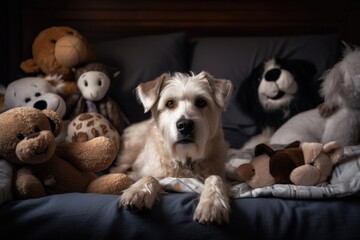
point(150, 39)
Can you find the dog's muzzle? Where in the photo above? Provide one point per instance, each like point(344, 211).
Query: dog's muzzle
point(186, 129)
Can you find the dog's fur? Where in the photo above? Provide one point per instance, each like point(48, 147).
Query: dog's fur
point(338, 117)
point(275, 91)
point(184, 138)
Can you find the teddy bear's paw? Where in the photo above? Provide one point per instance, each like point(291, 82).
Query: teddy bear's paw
point(141, 194)
point(214, 205)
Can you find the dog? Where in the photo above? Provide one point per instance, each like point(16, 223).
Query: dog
point(275, 91)
point(338, 117)
point(183, 138)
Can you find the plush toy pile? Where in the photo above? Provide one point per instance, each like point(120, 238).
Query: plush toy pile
point(338, 118)
point(56, 51)
point(42, 167)
point(275, 91)
point(306, 164)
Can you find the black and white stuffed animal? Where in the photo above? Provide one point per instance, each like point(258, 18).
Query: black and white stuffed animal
point(275, 91)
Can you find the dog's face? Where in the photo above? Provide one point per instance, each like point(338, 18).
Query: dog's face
point(187, 111)
point(277, 86)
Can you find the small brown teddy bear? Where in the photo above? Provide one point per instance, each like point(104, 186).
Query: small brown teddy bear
point(27, 140)
point(304, 164)
point(56, 51)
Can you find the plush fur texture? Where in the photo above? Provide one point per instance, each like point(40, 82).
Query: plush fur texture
point(27, 140)
point(184, 138)
point(274, 92)
point(338, 118)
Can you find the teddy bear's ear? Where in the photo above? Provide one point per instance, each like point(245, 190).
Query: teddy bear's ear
point(55, 121)
point(311, 151)
point(294, 144)
point(334, 151)
point(263, 148)
point(29, 66)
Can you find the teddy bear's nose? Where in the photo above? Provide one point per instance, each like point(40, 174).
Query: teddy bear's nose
point(34, 135)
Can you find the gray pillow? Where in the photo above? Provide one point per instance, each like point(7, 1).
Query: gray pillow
point(235, 58)
point(140, 59)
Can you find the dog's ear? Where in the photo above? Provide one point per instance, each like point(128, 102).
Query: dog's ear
point(148, 92)
point(222, 89)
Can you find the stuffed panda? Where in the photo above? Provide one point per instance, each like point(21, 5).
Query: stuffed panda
point(276, 90)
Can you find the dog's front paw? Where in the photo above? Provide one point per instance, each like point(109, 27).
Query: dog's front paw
point(141, 194)
point(214, 205)
point(212, 212)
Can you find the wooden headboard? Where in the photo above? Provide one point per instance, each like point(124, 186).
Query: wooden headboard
point(111, 19)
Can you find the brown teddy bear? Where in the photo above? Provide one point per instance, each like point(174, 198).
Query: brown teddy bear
point(56, 51)
point(27, 140)
point(304, 164)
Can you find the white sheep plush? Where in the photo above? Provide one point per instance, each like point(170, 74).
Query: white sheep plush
point(338, 117)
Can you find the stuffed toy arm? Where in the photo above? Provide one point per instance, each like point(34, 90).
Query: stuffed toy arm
point(94, 155)
point(114, 115)
point(27, 185)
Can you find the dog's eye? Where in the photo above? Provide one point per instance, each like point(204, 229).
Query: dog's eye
point(170, 104)
point(37, 94)
point(200, 103)
point(37, 129)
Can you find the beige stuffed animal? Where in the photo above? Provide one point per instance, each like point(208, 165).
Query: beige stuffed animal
point(56, 51)
point(27, 140)
point(319, 161)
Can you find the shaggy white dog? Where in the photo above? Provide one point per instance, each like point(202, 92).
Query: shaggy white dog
point(184, 138)
point(338, 118)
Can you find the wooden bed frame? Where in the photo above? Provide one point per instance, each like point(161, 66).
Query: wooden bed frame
point(111, 19)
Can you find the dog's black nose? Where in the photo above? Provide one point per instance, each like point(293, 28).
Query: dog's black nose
point(272, 75)
point(185, 126)
point(41, 105)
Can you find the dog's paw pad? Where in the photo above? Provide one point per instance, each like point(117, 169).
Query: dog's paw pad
point(137, 200)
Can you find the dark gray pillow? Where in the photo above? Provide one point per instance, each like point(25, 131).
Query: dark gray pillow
point(235, 58)
point(140, 59)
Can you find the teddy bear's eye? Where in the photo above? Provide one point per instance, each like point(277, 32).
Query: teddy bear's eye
point(37, 129)
point(27, 100)
point(37, 94)
point(20, 136)
point(99, 82)
point(53, 41)
point(86, 83)
point(70, 33)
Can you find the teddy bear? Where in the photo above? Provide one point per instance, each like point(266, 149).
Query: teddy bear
point(93, 81)
point(298, 163)
point(27, 140)
point(338, 117)
point(33, 92)
point(275, 91)
point(56, 51)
